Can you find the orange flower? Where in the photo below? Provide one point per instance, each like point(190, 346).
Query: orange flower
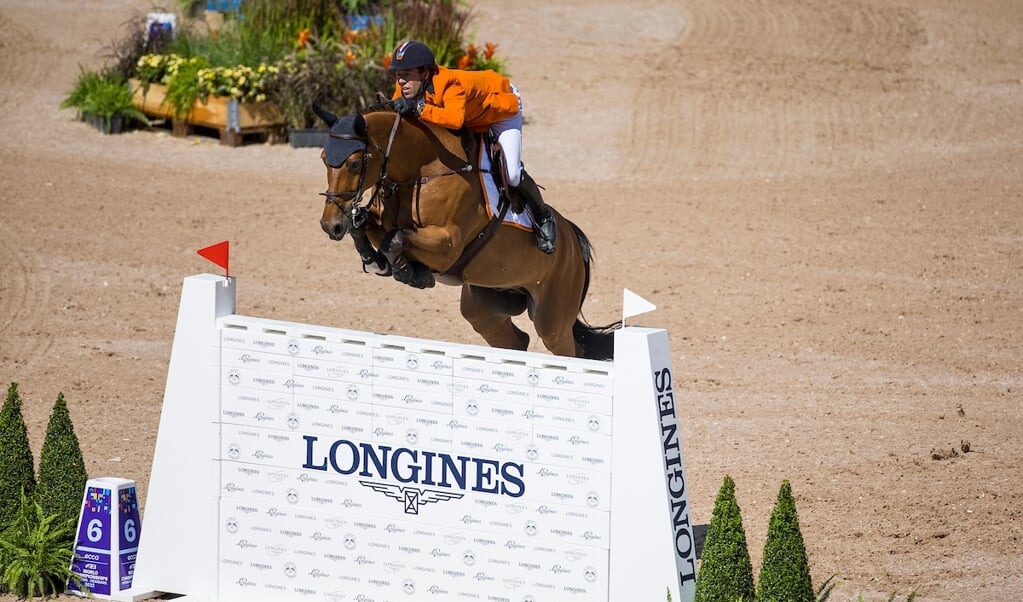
point(464, 61)
point(303, 38)
point(387, 61)
point(349, 58)
point(491, 49)
point(472, 52)
point(350, 37)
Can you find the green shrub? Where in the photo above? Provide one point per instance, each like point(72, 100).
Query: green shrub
point(785, 572)
point(281, 21)
point(17, 469)
point(36, 555)
point(726, 573)
point(105, 95)
point(443, 25)
point(62, 475)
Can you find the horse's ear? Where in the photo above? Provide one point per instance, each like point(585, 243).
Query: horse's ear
point(360, 125)
point(325, 115)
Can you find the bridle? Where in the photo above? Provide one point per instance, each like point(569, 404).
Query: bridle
point(358, 214)
point(385, 187)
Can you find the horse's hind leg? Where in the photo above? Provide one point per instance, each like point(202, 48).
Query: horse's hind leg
point(554, 313)
point(490, 312)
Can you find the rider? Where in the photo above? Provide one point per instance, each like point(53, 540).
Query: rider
point(477, 100)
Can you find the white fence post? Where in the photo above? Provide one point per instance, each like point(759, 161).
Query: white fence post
point(652, 545)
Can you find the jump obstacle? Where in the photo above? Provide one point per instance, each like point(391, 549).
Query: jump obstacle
point(299, 462)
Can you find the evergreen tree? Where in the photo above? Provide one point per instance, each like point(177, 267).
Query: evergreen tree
point(62, 475)
point(726, 573)
point(17, 469)
point(785, 572)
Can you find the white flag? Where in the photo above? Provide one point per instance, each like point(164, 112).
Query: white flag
point(633, 305)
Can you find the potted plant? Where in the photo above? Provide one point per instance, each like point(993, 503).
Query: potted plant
point(104, 100)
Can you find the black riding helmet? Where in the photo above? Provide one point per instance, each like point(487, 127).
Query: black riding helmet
point(412, 55)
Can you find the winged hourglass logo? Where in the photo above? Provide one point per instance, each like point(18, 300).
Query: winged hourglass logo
point(412, 497)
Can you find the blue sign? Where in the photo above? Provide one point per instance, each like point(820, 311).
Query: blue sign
point(92, 548)
point(130, 529)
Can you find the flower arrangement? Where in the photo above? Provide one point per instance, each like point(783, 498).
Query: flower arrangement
point(474, 60)
point(290, 55)
point(157, 68)
point(241, 83)
point(331, 74)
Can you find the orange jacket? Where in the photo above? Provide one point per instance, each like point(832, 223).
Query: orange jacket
point(473, 99)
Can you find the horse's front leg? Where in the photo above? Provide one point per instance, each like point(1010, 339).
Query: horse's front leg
point(411, 273)
point(373, 261)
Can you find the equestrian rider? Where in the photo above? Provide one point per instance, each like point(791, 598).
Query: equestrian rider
point(477, 100)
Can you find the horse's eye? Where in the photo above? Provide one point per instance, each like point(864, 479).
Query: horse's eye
point(355, 165)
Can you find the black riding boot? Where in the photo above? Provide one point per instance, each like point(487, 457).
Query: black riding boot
point(544, 227)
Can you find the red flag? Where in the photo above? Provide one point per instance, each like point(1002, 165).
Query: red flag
point(218, 254)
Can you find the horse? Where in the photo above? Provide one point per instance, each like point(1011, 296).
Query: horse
point(411, 195)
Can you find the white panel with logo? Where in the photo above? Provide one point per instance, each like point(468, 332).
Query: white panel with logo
point(314, 463)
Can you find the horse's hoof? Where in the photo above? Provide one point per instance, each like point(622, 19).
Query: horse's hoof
point(378, 266)
point(425, 282)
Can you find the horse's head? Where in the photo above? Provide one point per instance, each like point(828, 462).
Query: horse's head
point(352, 170)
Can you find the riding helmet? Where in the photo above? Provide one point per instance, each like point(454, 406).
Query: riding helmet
point(412, 55)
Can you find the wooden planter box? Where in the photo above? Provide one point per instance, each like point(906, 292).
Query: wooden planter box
point(232, 119)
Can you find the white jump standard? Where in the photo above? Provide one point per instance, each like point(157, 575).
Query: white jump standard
point(299, 462)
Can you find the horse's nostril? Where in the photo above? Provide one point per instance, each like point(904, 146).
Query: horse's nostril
point(336, 230)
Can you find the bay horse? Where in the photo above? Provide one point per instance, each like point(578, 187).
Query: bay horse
point(411, 195)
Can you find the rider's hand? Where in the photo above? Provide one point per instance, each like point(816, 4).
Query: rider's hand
point(405, 106)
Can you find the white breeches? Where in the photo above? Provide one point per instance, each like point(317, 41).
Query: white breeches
point(509, 136)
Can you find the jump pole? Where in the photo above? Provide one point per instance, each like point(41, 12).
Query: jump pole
point(409, 469)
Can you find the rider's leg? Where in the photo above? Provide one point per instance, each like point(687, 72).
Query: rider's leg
point(509, 136)
point(543, 220)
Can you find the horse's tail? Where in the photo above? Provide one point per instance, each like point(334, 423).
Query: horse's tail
point(593, 342)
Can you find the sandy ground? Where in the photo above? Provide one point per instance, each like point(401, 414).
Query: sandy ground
point(824, 199)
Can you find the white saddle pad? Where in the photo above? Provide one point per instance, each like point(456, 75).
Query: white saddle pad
point(520, 220)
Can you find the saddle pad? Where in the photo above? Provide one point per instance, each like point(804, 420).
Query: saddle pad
point(520, 220)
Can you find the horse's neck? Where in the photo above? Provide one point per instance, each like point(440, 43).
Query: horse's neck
point(420, 144)
point(458, 144)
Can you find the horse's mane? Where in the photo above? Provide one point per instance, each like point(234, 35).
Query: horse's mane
point(383, 105)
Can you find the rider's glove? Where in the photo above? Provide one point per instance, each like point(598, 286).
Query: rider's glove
point(404, 106)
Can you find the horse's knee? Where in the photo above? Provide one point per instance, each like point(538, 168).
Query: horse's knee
point(393, 244)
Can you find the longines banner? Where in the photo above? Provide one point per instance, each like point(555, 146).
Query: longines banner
point(307, 463)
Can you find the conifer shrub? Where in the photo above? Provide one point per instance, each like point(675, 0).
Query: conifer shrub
point(726, 573)
point(62, 475)
point(785, 572)
point(17, 470)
